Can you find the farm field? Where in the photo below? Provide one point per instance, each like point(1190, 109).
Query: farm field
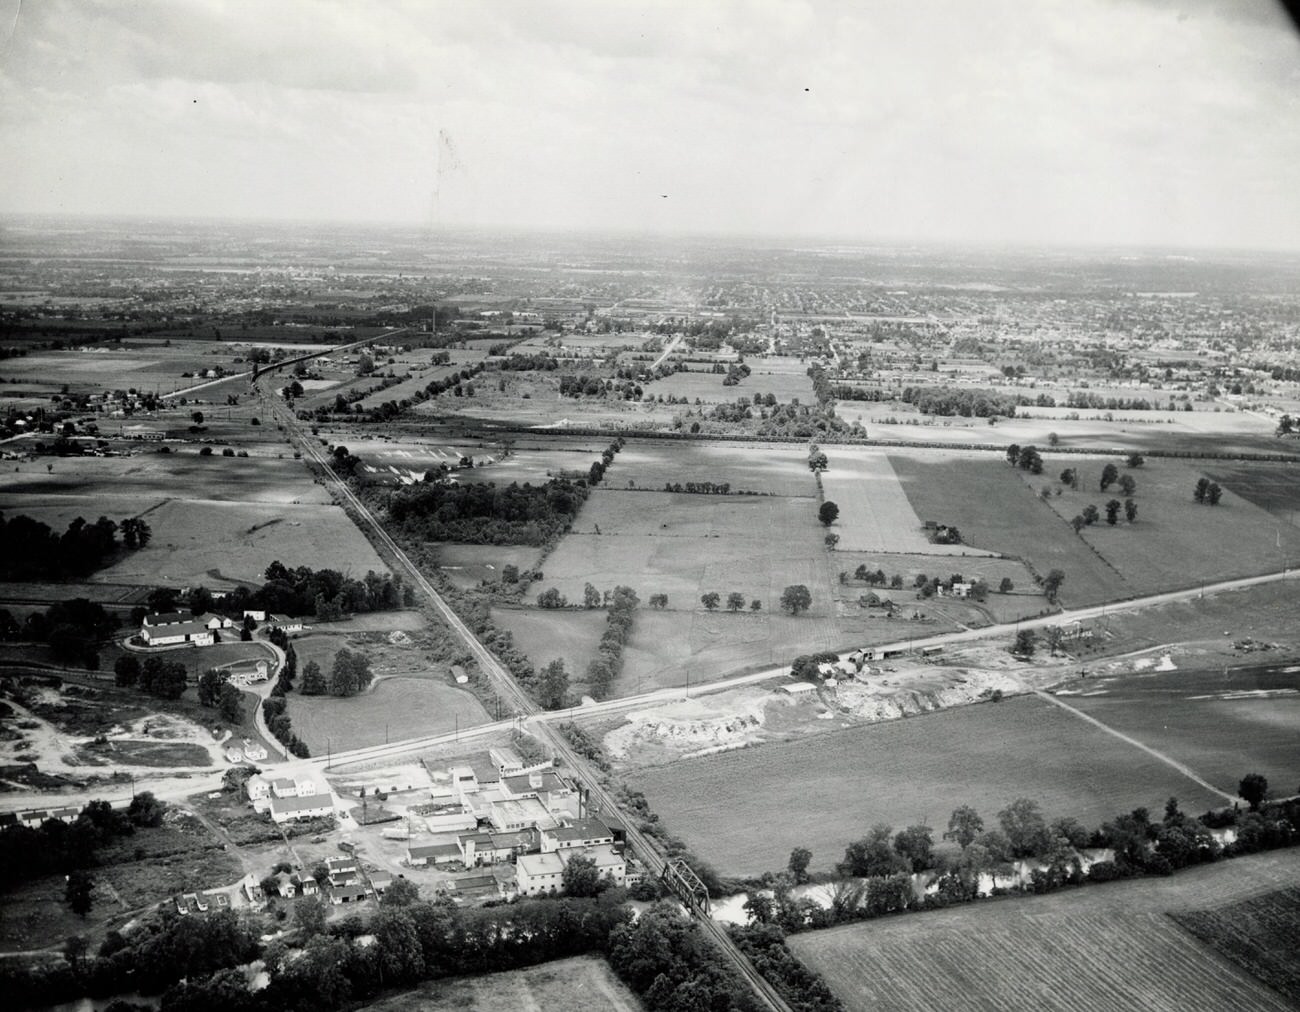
point(1257, 934)
point(153, 476)
point(222, 544)
point(581, 984)
point(996, 511)
point(770, 468)
point(545, 635)
point(875, 515)
point(142, 366)
point(1272, 487)
point(394, 709)
point(1222, 723)
point(842, 782)
point(1101, 947)
point(1235, 538)
point(470, 565)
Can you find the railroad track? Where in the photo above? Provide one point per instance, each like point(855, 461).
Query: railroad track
point(509, 689)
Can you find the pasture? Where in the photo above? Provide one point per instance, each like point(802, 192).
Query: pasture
point(1109, 946)
point(393, 709)
point(222, 544)
point(995, 510)
point(751, 467)
point(580, 984)
point(1272, 487)
point(1235, 538)
point(142, 365)
point(843, 782)
point(1258, 934)
point(1222, 723)
point(470, 565)
point(571, 636)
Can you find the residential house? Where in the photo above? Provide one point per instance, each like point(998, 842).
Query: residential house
point(379, 881)
point(353, 893)
point(253, 752)
point(253, 890)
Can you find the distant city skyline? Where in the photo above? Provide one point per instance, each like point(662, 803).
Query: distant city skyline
point(1149, 123)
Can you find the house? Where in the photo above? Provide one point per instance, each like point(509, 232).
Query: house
point(307, 885)
point(177, 633)
point(422, 854)
point(353, 893)
point(285, 886)
point(797, 688)
point(306, 807)
point(285, 624)
point(538, 873)
point(253, 752)
point(216, 622)
point(257, 786)
point(343, 870)
point(234, 755)
point(581, 834)
point(253, 890)
point(256, 616)
point(380, 881)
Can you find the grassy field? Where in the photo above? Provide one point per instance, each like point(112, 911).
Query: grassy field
point(1222, 723)
point(571, 636)
point(1102, 947)
point(396, 708)
point(581, 984)
point(756, 467)
point(842, 782)
point(220, 544)
point(1271, 487)
point(1235, 538)
point(996, 511)
point(1257, 934)
point(469, 565)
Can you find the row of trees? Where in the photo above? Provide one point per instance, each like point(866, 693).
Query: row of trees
point(608, 662)
point(155, 676)
point(1090, 514)
point(711, 601)
point(73, 629)
point(29, 548)
point(1206, 492)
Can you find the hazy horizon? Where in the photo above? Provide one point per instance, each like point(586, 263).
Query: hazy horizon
point(1152, 124)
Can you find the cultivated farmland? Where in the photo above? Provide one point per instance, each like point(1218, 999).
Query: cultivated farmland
point(843, 782)
point(394, 709)
point(1223, 724)
point(875, 515)
point(1258, 934)
point(583, 983)
point(996, 511)
point(1101, 947)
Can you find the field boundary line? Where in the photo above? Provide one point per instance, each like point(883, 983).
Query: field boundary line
point(1186, 771)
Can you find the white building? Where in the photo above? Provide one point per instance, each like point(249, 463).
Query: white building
point(305, 807)
point(538, 873)
point(194, 633)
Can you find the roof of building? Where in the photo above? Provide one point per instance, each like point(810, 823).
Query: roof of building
point(184, 629)
point(602, 855)
point(583, 829)
point(168, 618)
point(293, 803)
point(351, 890)
point(521, 783)
point(540, 864)
point(434, 850)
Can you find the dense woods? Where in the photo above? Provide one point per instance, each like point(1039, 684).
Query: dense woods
point(30, 549)
point(487, 513)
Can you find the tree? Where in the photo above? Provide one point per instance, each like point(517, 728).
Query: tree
point(590, 596)
point(915, 845)
point(1253, 790)
point(1090, 514)
point(77, 893)
point(313, 680)
point(401, 892)
point(351, 673)
point(1213, 493)
point(309, 917)
point(552, 685)
point(210, 683)
point(1201, 490)
point(581, 877)
point(1013, 454)
point(756, 605)
point(831, 540)
point(800, 858)
point(711, 600)
point(735, 601)
point(827, 513)
point(126, 671)
point(1025, 642)
point(1053, 439)
point(552, 598)
point(1109, 475)
point(1128, 484)
point(872, 856)
point(1052, 584)
point(1078, 523)
point(1055, 637)
point(145, 810)
point(1025, 827)
point(197, 417)
point(659, 601)
point(1070, 477)
point(1030, 460)
point(1135, 460)
point(74, 950)
point(796, 598)
point(230, 701)
point(1006, 586)
point(817, 462)
point(964, 825)
point(1112, 511)
point(1130, 510)
point(759, 907)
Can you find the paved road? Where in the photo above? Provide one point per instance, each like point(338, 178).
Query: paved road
point(669, 348)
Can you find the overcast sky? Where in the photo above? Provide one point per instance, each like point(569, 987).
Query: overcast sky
point(1165, 122)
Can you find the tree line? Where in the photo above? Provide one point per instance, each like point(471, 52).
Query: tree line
point(73, 629)
point(485, 513)
point(29, 548)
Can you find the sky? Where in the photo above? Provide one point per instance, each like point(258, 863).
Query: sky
point(1137, 122)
